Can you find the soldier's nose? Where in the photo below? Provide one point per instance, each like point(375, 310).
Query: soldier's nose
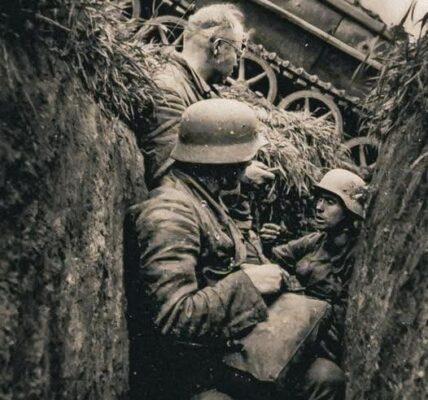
point(319, 206)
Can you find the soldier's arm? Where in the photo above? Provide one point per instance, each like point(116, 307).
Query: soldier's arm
point(288, 254)
point(170, 101)
point(170, 240)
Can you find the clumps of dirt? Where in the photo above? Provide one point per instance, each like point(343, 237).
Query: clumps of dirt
point(68, 172)
point(387, 313)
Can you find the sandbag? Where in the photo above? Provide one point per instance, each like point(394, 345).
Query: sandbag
point(270, 348)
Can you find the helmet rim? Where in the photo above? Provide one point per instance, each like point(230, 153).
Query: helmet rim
point(217, 154)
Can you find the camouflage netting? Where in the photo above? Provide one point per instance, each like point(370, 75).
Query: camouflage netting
point(301, 149)
point(387, 322)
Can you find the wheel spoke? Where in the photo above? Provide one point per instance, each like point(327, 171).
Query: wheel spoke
point(241, 73)
point(256, 78)
point(307, 107)
point(325, 116)
point(363, 161)
point(178, 40)
point(162, 34)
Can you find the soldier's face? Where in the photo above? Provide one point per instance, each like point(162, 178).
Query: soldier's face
point(231, 175)
point(227, 50)
point(329, 212)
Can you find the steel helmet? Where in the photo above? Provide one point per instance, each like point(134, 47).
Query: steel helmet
point(348, 186)
point(217, 131)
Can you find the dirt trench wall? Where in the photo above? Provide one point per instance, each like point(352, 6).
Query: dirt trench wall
point(387, 322)
point(67, 176)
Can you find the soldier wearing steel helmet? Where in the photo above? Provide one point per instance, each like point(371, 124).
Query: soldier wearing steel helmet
point(201, 285)
point(322, 262)
point(198, 279)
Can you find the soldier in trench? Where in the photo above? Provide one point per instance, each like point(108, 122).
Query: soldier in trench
point(320, 264)
point(213, 42)
point(199, 280)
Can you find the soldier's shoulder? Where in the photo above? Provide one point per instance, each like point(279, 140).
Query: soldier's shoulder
point(307, 241)
point(170, 75)
point(169, 197)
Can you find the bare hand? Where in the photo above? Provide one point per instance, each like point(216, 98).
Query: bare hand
point(257, 173)
point(270, 232)
point(267, 278)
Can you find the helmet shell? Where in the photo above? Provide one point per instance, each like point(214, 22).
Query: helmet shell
point(218, 131)
point(347, 186)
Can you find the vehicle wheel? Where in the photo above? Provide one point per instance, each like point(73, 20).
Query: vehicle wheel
point(165, 30)
point(363, 151)
point(256, 74)
point(314, 104)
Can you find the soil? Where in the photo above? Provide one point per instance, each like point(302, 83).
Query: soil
point(68, 174)
point(387, 322)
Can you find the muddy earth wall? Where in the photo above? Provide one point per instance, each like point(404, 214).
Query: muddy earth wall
point(68, 173)
point(387, 321)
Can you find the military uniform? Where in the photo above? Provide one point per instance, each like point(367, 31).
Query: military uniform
point(189, 279)
point(197, 296)
point(189, 273)
point(323, 273)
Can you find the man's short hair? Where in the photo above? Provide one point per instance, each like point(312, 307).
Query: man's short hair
point(214, 19)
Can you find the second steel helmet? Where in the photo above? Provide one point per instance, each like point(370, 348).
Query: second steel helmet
point(218, 131)
point(347, 186)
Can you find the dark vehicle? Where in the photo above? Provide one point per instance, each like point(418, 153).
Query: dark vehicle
point(316, 56)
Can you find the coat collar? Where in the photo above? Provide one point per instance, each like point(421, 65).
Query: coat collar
point(200, 83)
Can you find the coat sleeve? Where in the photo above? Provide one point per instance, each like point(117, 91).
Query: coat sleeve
point(169, 103)
point(169, 237)
point(287, 255)
point(171, 98)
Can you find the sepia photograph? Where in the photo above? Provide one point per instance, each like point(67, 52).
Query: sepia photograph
point(214, 199)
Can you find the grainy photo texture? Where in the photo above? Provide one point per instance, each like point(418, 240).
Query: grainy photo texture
point(213, 200)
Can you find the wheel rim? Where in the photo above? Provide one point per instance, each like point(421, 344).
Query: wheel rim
point(363, 151)
point(163, 31)
point(316, 105)
point(256, 74)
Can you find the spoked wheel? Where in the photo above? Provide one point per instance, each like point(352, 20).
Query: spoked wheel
point(363, 151)
point(256, 74)
point(166, 31)
point(314, 104)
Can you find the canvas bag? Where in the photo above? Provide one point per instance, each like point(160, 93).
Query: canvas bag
point(270, 349)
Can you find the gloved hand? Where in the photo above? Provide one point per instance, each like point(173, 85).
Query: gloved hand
point(257, 173)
